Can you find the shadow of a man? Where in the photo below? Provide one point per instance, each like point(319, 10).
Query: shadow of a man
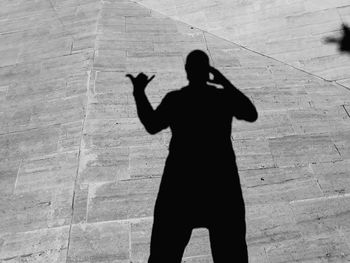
point(200, 185)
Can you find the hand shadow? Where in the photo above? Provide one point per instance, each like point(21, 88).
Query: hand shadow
point(342, 42)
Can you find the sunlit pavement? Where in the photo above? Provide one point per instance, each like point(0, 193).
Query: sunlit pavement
point(79, 174)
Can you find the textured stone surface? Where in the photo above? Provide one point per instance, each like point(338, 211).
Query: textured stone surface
point(44, 245)
point(99, 242)
point(292, 32)
point(79, 174)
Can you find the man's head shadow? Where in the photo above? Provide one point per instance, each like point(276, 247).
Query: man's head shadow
point(197, 67)
point(343, 42)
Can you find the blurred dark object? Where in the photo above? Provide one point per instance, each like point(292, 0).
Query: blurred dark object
point(343, 42)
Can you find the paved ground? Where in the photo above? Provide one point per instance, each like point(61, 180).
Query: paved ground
point(79, 175)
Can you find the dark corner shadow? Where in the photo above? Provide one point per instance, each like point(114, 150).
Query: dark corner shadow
point(200, 185)
point(343, 42)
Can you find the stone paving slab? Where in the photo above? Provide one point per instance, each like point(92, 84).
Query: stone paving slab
point(123, 132)
point(313, 249)
point(36, 210)
point(122, 200)
point(268, 224)
point(55, 171)
point(342, 141)
point(316, 216)
point(103, 165)
point(43, 245)
point(303, 149)
point(99, 242)
point(269, 125)
point(333, 178)
point(253, 154)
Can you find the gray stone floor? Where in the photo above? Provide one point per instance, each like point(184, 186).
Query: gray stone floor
point(79, 175)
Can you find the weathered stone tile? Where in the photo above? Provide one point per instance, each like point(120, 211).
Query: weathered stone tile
point(113, 45)
point(147, 160)
point(342, 142)
point(77, 84)
point(52, 48)
point(337, 65)
point(198, 259)
point(70, 136)
point(322, 215)
point(150, 24)
point(224, 57)
point(81, 28)
point(268, 125)
point(333, 177)
point(269, 176)
point(285, 75)
point(29, 144)
point(108, 60)
point(64, 4)
point(47, 172)
point(109, 18)
point(325, 94)
point(112, 82)
point(108, 202)
point(110, 30)
point(140, 240)
point(9, 56)
point(34, 210)
point(129, 36)
point(252, 154)
point(15, 118)
point(182, 48)
point(23, 23)
point(278, 98)
point(171, 63)
point(104, 165)
point(319, 120)
point(282, 192)
point(66, 65)
point(199, 243)
point(36, 90)
point(58, 111)
point(118, 133)
point(44, 245)
point(83, 42)
point(8, 176)
point(80, 203)
point(80, 19)
point(111, 106)
point(122, 200)
point(128, 9)
point(257, 254)
point(99, 242)
point(303, 149)
point(270, 223)
point(20, 73)
point(320, 248)
point(249, 78)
